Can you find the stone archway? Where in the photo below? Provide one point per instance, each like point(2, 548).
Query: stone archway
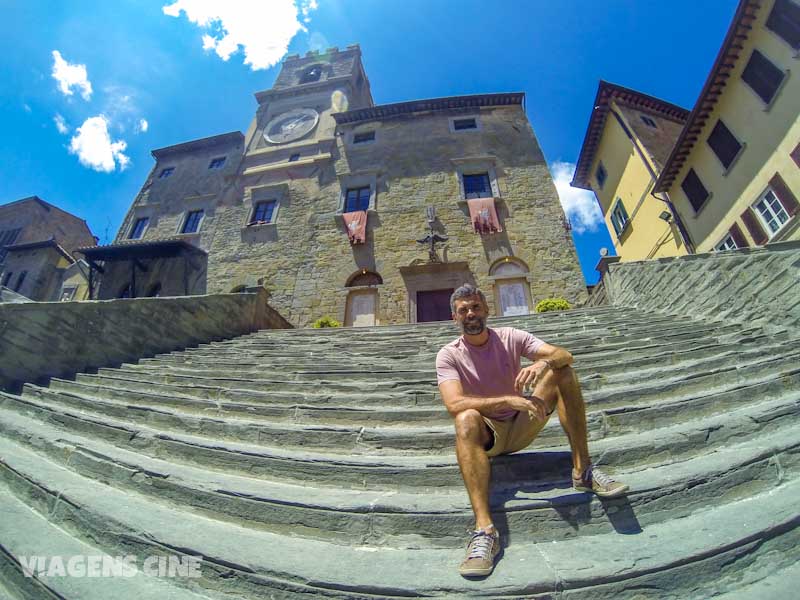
point(361, 307)
point(512, 291)
point(429, 287)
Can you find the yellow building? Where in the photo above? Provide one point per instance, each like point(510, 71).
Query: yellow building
point(629, 138)
point(734, 173)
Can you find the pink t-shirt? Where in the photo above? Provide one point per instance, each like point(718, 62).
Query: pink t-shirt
point(488, 370)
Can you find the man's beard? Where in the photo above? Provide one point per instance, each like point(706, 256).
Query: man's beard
point(474, 326)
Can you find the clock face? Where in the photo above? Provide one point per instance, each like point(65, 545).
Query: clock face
point(291, 125)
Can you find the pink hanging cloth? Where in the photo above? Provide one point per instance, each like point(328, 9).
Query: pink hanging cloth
point(356, 225)
point(483, 215)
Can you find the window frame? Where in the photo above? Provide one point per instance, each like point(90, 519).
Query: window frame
point(7, 278)
point(784, 76)
point(722, 246)
point(72, 289)
point(357, 180)
point(294, 157)
point(166, 172)
point(726, 168)
point(370, 140)
point(251, 222)
point(649, 121)
point(23, 275)
point(212, 165)
point(705, 200)
point(451, 122)
point(765, 224)
point(619, 228)
point(185, 221)
point(359, 189)
point(795, 49)
point(488, 180)
point(601, 168)
point(307, 77)
point(146, 219)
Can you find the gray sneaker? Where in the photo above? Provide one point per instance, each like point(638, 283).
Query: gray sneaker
point(481, 552)
point(597, 482)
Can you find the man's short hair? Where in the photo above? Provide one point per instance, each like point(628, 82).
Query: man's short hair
point(465, 291)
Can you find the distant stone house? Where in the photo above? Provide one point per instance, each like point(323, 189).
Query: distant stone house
point(37, 245)
point(371, 214)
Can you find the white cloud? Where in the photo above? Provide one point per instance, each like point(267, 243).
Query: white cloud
point(94, 148)
point(580, 205)
point(142, 126)
point(61, 124)
point(71, 76)
point(262, 29)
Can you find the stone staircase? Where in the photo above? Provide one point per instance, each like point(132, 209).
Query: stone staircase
point(320, 464)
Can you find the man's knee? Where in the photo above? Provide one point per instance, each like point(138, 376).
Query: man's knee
point(470, 425)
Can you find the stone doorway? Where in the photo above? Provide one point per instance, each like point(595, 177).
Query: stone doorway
point(431, 284)
point(434, 305)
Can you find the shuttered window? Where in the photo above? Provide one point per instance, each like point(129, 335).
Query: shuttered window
point(763, 76)
point(785, 195)
point(754, 227)
point(737, 235)
point(724, 144)
point(601, 174)
point(727, 243)
point(784, 20)
point(619, 217)
point(694, 190)
point(7, 238)
point(795, 154)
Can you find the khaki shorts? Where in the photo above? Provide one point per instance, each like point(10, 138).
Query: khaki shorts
point(516, 433)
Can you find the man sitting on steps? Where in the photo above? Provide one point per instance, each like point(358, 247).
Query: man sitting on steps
point(481, 384)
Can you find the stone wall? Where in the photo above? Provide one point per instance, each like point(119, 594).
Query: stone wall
point(40, 340)
point(758, 286)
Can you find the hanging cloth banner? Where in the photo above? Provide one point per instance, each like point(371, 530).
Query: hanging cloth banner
point(483, 215)
point(356, 225)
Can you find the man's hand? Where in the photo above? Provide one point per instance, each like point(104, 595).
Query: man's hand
point(530, 375)
point(533, 405)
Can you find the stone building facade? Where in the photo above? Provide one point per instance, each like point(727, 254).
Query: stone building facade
point(275, 201)
point(37, 245)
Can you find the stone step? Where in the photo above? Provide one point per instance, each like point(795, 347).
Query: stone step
point(360, 436)
point(636, 389)
point(386, 471)
point(357, 348)
point(764, 581)
point(258, 563)
point(24, 533)
point(591, 377)
point(618, 361)
point(406, 520)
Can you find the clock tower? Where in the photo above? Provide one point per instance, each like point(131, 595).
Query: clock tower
point(295, 116)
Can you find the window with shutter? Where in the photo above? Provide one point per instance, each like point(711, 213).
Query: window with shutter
point(737, 235)
point(727, 243)
point(694, 189)
point(771, 211)
point(756, 231)
point(724, 144)
point(785, 195)
point(762, 76)
point(784, 20)
point(601, 174)
point(619, 217)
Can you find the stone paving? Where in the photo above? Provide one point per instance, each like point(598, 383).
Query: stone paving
point(320, 464)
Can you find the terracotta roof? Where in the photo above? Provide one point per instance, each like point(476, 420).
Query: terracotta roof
point(130, 249)
point(625, 96)
point(385, 111)
point(725, 62)
point(229, 138)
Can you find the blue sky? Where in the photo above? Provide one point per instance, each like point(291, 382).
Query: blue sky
point(89, 88)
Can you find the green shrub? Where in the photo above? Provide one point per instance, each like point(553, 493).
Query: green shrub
point(326, 321)
point(549, 304)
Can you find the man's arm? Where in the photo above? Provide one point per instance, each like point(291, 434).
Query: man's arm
point(456, 401)
point(546, 357)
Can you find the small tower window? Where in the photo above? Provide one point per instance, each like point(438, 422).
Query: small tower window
point(648, 121)
point(311, 74)
point(217, 163)
point(361, 138)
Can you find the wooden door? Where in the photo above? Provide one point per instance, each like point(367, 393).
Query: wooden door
point(434, 305)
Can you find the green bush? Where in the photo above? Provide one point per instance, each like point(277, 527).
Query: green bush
point(549, 304)
point(326, 321)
